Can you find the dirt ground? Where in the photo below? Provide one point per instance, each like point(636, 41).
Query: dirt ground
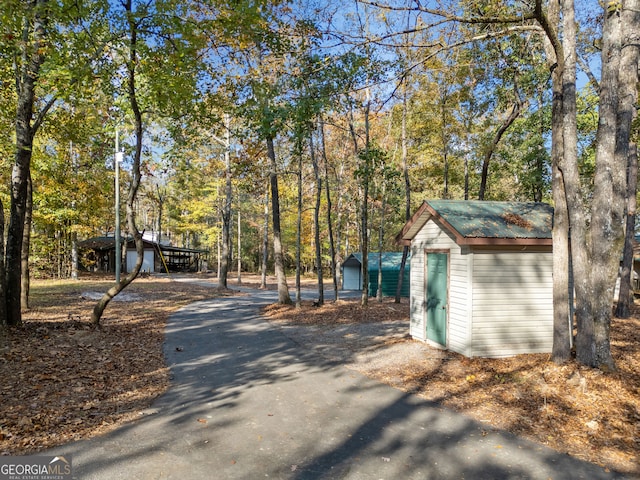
point(63, 379)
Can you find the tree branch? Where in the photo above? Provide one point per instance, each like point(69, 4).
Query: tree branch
point(585, 68)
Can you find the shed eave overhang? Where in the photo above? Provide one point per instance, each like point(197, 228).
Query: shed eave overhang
point(419, 219)
point(413, 225)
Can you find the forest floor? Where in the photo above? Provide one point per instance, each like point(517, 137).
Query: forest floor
point(62, 379)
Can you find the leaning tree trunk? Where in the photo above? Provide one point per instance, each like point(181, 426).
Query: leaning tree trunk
point(100, 307)
point(102, 304)
point(515, 112)
point(283, 289)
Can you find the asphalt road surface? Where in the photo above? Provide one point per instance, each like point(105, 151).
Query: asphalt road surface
point(246, 402)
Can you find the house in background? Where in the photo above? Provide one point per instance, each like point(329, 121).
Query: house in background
point(99, 256)
point(352, 273)
point(481, 276)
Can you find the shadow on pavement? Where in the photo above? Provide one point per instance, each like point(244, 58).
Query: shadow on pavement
point(246, 402)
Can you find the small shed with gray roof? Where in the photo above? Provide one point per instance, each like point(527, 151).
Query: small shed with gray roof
point(481, 276)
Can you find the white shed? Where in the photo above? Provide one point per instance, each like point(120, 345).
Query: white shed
point(391, 261)
point(352, 272)
point(481, 276)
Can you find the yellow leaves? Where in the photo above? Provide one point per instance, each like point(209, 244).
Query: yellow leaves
point(613, 7)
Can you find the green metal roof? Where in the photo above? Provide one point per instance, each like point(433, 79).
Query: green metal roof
point(485, 222)
point(390, 260)
point(496, 219)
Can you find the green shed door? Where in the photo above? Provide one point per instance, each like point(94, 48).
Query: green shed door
point(437, 297)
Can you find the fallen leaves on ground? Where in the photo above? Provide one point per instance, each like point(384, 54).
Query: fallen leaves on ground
point(588, 414)
point(62, 378)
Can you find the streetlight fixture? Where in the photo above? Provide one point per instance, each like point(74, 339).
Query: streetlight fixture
point(118, 159)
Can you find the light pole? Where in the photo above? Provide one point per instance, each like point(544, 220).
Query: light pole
point(118, 158)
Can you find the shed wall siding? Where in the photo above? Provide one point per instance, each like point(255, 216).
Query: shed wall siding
point(351, 278)
point(148, 260)
point(512, 303)
point(432, 237)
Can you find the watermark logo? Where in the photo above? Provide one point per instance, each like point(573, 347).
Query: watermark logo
point(36, 467)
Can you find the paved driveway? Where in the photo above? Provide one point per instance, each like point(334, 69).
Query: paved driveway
point(246, 402)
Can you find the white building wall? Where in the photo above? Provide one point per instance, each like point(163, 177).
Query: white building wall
point(147, 261)
point(512, 303)
point(432, 237)
point(352, 278)
point(417, 327)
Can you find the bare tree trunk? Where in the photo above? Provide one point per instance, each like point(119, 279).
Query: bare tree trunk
point(625, 293)
point(332, 249)
point(628, 99)
point(226, 212)
point(74, 255)
point(218, 240)
point(26, 245)
point(342, 230)
point(265, 242)
point(364, 212)
point(278, 257)
point(299, 231)
point(161, 200)
point(316, 220)
point(4, 338)
point(562, 315)
point(618, 95)
point(381, 239)
point(239, 248)
point(30, 60)
point(15, 234)
point(364, 247)
point(379, 289)
point(444, 95)
point(407, 191)
point(593, 295)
